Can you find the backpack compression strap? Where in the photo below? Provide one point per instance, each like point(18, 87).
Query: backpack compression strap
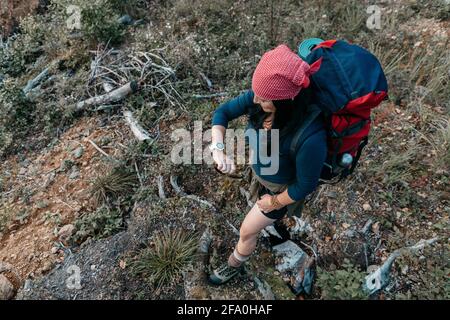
point(298, 134)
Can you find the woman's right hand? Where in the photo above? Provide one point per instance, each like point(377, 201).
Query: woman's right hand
point(223, 162)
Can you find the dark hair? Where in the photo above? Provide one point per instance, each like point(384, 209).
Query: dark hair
point(288, 115)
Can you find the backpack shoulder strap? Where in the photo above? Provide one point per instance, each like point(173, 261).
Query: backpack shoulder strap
point(312, 115)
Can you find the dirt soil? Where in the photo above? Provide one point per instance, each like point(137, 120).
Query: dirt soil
point(11, 11)
point(47, 198)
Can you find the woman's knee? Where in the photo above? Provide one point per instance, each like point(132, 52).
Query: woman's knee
point(246, 233)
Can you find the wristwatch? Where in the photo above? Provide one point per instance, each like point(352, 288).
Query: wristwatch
point(216, 146)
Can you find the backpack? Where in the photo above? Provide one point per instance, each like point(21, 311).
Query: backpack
point(348, 85)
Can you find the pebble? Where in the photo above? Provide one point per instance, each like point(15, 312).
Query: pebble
point(66, 231)
point(367, 207)
point(74, 175)
point(27, 285)
point(78, 152)
point(49, 180)
point(47, 267)
point(405, 270)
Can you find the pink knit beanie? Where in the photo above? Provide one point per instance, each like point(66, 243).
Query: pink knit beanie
point(281, 74)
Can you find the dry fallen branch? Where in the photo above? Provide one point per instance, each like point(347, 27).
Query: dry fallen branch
point(233, 228)
point(98, 148)
point(161, 193)
point(35, 81)
point(141, 182)
point(155, 76)
point(179, 191)
point(113, 96)
point(379, 279)
point(215, 95)
point(310, 248)
point(140, 133)
point(246, 195)
point(209, 96)
point(366, 227)
point(35, 84)
point(206, 79)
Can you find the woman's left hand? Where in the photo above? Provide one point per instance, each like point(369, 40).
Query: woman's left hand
point(265, 203)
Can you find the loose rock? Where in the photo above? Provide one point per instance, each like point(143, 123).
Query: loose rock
point(6, 288)
point(66, 231)
point(78, 152)
point(74, 175)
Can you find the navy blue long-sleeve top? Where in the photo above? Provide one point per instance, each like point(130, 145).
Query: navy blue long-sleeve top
point(302, 173)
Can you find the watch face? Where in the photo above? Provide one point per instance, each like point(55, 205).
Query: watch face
point(220, 146)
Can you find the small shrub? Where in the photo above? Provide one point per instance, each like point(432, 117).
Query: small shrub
point(390, 59)
point(16, 115)
point(397, 168)
point(6, 215)
point(348, 18)
point(441, 143)
point(427, 279)
point(6, 140)
point(98, 19)
point(429, 69)
point(119, 181)
point(21, 49)
point(101, 223)
point(439, 9)
point(434, 285)
point(341, 284)
point(169, 254)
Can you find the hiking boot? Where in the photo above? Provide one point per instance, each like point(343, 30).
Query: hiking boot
point(225, 273)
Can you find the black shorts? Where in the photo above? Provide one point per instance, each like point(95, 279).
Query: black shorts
point(260, 187)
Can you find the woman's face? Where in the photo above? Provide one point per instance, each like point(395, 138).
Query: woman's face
point(266, 105)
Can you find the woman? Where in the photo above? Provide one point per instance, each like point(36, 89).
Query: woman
point(278, 100)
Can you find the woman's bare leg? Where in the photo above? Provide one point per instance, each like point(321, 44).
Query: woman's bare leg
point(252, 225)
